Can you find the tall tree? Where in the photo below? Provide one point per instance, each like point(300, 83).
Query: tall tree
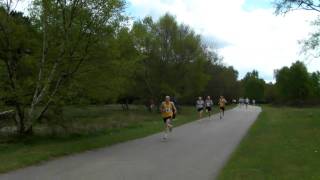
point(19, 47)
point(223, 81)
point(70, 31)
point(173, 58)
point(294, 83)
point(254, 87)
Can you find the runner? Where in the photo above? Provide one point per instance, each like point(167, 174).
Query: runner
point(168, 110)
point(200, 106)
point(208, 104)
point(247, 102)
point(222, 105)
point(241, 101)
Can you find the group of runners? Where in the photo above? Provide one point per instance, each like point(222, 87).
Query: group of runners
point(169, 110)
point(246, 102)
point(206, 105)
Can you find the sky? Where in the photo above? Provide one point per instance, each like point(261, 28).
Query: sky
point(247, 33)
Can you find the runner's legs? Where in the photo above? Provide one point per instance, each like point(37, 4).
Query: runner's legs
point(200, 110)
point(168, 127)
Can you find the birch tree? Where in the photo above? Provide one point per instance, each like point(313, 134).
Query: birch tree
point(69, 32)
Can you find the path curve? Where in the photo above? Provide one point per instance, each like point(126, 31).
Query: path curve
point(196, 150)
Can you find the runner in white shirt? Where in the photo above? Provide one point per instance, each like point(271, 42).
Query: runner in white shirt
point(200, 106)
point(208, 104)
point(247, 102)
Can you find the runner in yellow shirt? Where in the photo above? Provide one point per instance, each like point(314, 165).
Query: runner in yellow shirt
point(168, 110)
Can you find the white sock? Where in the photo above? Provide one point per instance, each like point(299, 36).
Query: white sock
point(165, 135)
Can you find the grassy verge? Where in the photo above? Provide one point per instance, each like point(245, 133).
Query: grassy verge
point(284, 143)
point(94, 127)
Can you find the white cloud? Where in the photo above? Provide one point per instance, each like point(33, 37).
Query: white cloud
point(258, 39)
point(18, 5)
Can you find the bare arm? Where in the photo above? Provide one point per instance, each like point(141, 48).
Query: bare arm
point(174, 108)
point(161, 108)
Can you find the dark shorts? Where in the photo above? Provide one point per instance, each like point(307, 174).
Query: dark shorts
point(200, 109)
point(208, 108)
point(222, 108)
point(167, 118)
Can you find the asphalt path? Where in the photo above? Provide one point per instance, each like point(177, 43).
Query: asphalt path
point(194, 151)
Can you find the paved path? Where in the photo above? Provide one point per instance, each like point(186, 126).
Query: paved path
point(195, 151)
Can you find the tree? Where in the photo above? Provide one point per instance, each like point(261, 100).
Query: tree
point(223, 81)
point(270, 94)
point(311, 44)
point(19, 42)
point(110, 73)
point(284, 6)
point(70, 31)
point(294, 84)
point(254, 87)
point(173, 58)
point(315, 86)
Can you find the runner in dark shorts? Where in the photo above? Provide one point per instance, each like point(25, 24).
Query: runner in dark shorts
point(209, 109)
point(168, 110)
point(222, 109)
point(200, 109)
point(200, 106)
point(208, 104)
point(222, 104)
point(166, 119)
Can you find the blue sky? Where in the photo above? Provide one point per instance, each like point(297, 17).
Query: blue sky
point(252, 36)
point(250, 5)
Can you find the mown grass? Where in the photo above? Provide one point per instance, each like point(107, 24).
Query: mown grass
point(96, 126)
point(284, 143)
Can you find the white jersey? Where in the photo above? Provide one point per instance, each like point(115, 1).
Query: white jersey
point(209, 103)
point(200, 104)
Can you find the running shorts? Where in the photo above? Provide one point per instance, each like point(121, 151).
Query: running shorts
point(166, 119)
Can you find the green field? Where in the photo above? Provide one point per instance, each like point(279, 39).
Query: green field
point(284, 143)
point(89, 127)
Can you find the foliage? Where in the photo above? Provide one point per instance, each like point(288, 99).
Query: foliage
point(83, 52)
point(65, 35)
point(223, 81)
point(173, 58)
point(311, 44)
point(254, 87)
point(296, 85)
point(284, 6)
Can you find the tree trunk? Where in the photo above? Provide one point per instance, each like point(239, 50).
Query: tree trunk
point(127, 104)
point(20, 124)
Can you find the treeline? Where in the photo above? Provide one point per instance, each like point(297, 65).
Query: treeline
point(294, 86)
point(155, 58)
point(84, 52)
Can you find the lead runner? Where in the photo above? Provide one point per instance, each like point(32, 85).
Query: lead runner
point(168, 110)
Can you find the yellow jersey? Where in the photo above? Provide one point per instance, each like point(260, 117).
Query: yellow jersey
point(167, 109)
point(222, 102)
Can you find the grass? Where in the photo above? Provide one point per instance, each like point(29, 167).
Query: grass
point(284, 143)
point(95, 127)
